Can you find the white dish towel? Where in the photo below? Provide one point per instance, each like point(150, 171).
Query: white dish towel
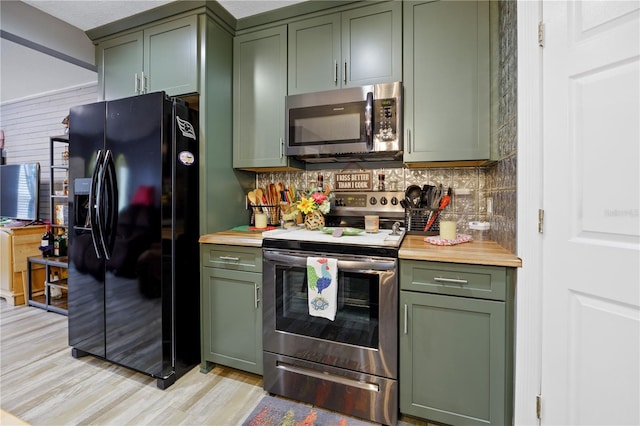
point(322, 279)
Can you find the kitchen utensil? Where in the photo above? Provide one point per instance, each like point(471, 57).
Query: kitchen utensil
point(413, 195)
point(425, 199)
point(260, 195)
point(444, 202)
point(437, 197)
point(252, 198)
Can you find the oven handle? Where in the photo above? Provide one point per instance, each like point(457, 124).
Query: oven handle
point(371, 387)
point(367, 264)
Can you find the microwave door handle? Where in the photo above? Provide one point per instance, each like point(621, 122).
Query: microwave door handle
point(368, 120)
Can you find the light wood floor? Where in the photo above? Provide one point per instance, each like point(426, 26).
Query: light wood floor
point(42, 384)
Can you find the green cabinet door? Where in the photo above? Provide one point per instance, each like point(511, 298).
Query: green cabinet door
point(452, 359)
point(259, 90)
point(171, 57)
point(314, 54)
point(231, 319)
point(447, 82)
point(354, 48)
point(120, 66)
point(372, 44)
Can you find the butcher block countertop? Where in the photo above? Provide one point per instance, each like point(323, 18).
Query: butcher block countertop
point(473, 252)
point(413, 248)
point(233, 238)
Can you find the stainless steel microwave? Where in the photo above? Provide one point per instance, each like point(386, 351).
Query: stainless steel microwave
point(353, 124)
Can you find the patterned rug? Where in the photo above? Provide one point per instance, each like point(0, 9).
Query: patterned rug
point(273, 411)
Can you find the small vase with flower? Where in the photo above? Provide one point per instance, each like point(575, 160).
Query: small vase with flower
point(314, 206)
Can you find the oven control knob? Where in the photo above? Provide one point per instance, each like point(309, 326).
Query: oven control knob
point(394, 201)
point(373, 201)
point(383, 201)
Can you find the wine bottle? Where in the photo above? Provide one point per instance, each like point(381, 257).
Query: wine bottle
point(60, 244)
point(46, 242)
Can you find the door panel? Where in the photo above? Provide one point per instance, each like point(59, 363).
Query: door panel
point(134, 296)
point(171, 57)
point(372, 44)
point(591, 243)
point(453, 356)
point(121, 60)
point(86, 270)
point(314, 54)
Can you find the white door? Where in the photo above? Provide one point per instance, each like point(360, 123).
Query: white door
point(591, 192)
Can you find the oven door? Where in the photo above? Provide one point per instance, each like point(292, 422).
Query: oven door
point(363, 336)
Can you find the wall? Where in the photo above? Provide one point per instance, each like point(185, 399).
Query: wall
point(501, 177)
point(29, 123)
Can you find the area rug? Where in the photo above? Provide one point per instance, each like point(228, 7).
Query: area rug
point(272, 411)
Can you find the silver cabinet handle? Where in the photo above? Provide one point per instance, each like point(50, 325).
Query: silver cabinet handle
point(234, 259)
point(136, 85)
point(335, 72)
point(409, 140)
point(406, 317)
point(256, 298)
point(143, 80)
point(281, 147)
point(450, 280)
point(344, 76)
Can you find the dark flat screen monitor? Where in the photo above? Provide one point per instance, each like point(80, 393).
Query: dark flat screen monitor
point(19, 191)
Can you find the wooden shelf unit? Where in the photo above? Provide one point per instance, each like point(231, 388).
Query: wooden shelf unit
point(39, 270)
point(56, 199)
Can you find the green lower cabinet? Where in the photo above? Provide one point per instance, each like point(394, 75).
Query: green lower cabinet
point(231, 319)
point(455, 352)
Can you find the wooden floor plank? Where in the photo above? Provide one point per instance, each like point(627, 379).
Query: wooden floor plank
point(42, 384)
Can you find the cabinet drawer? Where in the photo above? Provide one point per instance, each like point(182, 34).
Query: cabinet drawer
point(236, 258)
point(476, 281)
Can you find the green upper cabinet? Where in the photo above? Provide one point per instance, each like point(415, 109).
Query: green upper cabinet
point(171, 57)
point(447, 80)
point(259, 90)
point(158, 57)
point(352, 48)
point(121, 64)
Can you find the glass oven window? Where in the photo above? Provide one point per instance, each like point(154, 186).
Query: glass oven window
point(357, 313)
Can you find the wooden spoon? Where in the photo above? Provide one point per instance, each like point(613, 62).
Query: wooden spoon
point(252, 197)
point(280, 188)
point(259, 194)
point(273, 194)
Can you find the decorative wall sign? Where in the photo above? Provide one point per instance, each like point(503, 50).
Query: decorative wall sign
point(353, 181)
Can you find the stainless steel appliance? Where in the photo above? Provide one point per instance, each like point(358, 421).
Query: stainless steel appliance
point(349, 364)
point(133, 234)
point(353, 124)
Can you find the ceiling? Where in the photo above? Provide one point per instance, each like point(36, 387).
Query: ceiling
point(87, 15)
point(26, 72)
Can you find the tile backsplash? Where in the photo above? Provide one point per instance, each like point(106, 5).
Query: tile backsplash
point(469, 201)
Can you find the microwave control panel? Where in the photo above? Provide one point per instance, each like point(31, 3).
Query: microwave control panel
point(385, 119)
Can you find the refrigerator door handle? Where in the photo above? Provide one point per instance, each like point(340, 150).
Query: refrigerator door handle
point(94, 202)
point(111, 205)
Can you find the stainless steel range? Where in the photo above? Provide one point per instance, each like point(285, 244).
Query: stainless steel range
point(348, 363)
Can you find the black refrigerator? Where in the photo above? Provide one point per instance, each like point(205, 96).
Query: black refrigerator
point(133, 234)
